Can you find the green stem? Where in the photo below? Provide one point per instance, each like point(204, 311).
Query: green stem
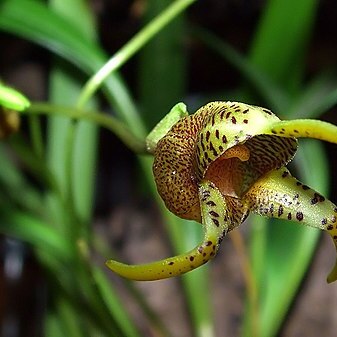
point(131, 48)
point(104, 120)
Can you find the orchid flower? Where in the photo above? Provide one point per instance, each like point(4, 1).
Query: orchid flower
point(221, 163)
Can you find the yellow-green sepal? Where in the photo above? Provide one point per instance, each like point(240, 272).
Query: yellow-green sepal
point(160, 130)
point(12, 99)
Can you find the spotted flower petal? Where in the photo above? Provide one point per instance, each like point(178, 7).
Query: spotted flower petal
point(224, 161)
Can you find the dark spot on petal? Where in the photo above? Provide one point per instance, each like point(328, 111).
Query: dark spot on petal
point(233, 120)
point(305, 187)
point(208, 134)
point(299, 216)
point(191, 258)
point(211, 147)
point(329, 228)
point(319, 197)
point(213, 119)
point(245, 121)
point(211, 203)
point(289, 216)
point(171, 263)
point(285, 174)
point(217, 134)
point(216, 222)
point(208, 243)
point(214, 214)
point(280, 210)
point(267, 111)
point(224, 139)
point(222, 113)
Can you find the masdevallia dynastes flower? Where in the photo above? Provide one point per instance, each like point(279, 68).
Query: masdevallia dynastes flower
point(221, 163)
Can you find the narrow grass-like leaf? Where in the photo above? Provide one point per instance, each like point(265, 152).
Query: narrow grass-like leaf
point(281, 39)
point(113, 303)
point(32, 230)
point(271, 92)
point(318, 97)
point(162, 67)
point(15, 186)
point(71, 324)
point(52, 325)
point(85, 134)
point(101, 119)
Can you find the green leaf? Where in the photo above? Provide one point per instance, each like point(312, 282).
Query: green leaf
point(319, 96)
point(113, 303)
point(15, 186)
point(36, 232)
point(275, 96)
point(162, 67)
point(281, 39)
point(73, 167)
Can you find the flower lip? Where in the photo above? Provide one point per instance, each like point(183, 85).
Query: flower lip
point(227, 171)
point(239, 167)
point(225, 125)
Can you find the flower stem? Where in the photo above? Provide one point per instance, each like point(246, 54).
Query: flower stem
point(131, 48)
point(104, 120)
